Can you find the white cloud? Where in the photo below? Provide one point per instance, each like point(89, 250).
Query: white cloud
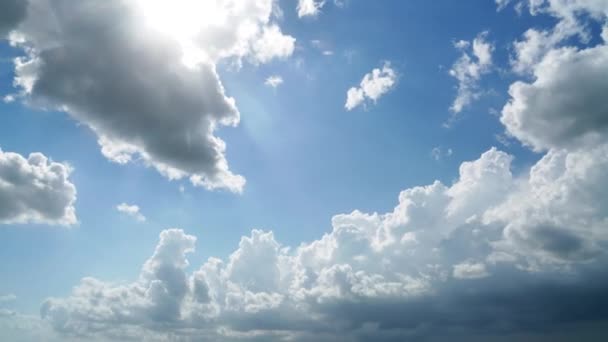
point(157, 100)
point(35, 190)
point(131, 210)
point(565, 104)
point(373, 86)
point(537, 43)
point(562, 106)
point(469, 69)
point(509, 236)
point(309, 7)
point(470, 270)
point(312, 8)
point(274, 81)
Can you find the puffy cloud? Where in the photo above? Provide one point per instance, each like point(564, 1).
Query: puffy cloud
point(469, 69)
point(274, 81)
point(565, 104)
point(309, 7)
point(489, 242)
point(492, 254)
point(142, 75)
point(131, 210)
point(562, 106)
point(35, 190)
point(373, 86)
point(572, 22)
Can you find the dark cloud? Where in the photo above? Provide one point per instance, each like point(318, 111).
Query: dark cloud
point(11, 14)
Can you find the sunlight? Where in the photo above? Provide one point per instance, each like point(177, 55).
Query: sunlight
point(183, 20)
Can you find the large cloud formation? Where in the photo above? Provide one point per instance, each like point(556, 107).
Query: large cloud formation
point(142, 75)
point(35, 190)
point(493, 256)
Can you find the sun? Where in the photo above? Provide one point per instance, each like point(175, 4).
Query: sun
point(183, 20)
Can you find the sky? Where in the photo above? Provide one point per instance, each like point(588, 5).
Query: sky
point(303, 170)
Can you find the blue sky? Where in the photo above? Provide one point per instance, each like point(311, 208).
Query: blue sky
point(304, 156)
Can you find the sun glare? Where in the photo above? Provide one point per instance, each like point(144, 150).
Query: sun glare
point(183, 20)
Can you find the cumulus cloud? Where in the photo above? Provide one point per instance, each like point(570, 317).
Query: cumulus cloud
point(572, 22)
point(562, 106)
point(309, 7)
point(475, 61)
point(35, 190)
point(274, 81)
point(142, 75)
point(131, 210)
point(565, 104)
point(373, 86)
point(492, 240)
point(492, 254)
point(312, 8)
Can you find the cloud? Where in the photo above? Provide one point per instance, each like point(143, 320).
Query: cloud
point(564, 106)
point(458, 260)
point(11, 13)
point(35, 190)
point(274, 81)
point(475, 61)
point(470, 270)
point(373, 86)
point(147, 87)
point(572, 22)
point(309, 7)
point(312, 8)
point(495, 255)
point(131, 210)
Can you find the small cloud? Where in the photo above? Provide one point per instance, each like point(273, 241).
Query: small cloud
point(327, 53)
point(470, 270)
point(9, 98)
point(309, 7)
point(131, 210)
point(475, 61)
point(373, 86)
point(274, 81)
